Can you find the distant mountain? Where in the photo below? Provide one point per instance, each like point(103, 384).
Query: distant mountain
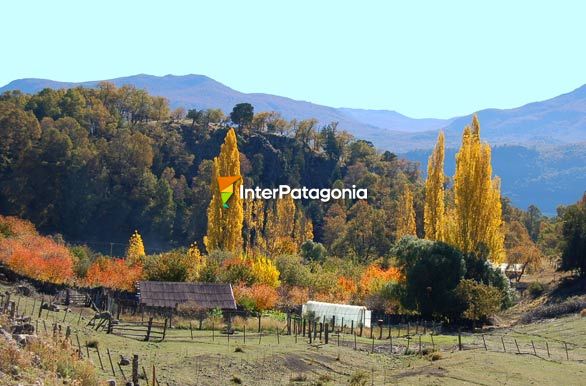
point(545, 167)
point(546, 177)
point(556, 121)
point(202, 92)
point(560, 120)
point(392, 120)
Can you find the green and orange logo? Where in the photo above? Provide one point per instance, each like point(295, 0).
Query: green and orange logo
point(227, 188)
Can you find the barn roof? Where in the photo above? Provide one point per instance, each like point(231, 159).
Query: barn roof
point(170, 294)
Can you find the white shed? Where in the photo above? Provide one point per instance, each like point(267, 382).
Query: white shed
point(343, 312)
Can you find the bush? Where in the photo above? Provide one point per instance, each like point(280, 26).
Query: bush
point(535, 289)
point(258, 297)
point(359, 378)
point(570, 306)
point(480, 300)
point(175, 265)
point(310, 250)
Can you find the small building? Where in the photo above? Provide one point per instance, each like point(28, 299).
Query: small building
point(170, 295)
point(343, 313)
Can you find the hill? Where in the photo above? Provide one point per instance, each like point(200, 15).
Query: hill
point(556, 121)
point(546, 167)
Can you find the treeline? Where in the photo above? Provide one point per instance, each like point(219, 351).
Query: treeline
point(96, 164)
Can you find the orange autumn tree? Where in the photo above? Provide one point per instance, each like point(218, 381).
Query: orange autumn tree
point(374, 278)
point(114, 274)
point(27, 253)
point(258, 297)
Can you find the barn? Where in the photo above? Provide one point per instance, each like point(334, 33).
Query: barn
point(343, 313)
point(170, 295)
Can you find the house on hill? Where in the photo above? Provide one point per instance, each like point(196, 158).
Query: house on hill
point(170, 295)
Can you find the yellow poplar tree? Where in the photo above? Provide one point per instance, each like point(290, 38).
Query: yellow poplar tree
point(286, 227)
point(405, 214)
point(254, 219)
point(434, 210)
point(476, 218)
point(135, 252)
point(225, 224)
point(197, 262)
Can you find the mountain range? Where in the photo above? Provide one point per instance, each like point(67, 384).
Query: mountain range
point(550, 134)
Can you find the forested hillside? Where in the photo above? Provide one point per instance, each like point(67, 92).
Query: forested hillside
point(96, 164)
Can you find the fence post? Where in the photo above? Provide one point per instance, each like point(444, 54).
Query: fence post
point(503, 341)
point(259, 321)
point(190, 330)
point(149, 327)
point(459, 338)
point(547, 347)
point(484, 341)
point(566, 347)
point(516, 344)
point(111, 364)
point(7, 301)
point(327, 333)
point(165, 329)
point(303, 323)
point(135, 369)
point(309, 331)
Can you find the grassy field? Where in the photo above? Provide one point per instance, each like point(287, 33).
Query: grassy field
point(213, 359)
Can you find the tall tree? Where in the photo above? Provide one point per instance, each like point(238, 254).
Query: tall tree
point(242, 114)
point(574, 235)
point(476, 218)
point(406, 215)
point(225, 224)
point(434, 210)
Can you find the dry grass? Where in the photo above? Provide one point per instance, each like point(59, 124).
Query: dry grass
point(45, 359)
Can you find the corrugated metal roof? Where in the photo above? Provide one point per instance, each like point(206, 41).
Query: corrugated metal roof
point(171, 294)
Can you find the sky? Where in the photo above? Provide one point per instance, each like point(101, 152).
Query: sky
point(421, 58)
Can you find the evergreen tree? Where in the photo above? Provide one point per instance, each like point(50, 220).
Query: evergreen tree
point(225, 224)
point(434, 210)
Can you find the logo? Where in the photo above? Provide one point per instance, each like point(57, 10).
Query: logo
point(227, 188)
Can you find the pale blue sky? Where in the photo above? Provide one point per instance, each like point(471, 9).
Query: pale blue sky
point(421, 58)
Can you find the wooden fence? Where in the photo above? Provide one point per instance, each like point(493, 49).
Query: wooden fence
point(146, 331)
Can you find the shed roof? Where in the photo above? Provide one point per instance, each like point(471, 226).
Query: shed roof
point(170, 294)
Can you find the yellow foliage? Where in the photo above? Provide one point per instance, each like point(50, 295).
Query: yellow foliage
point(135, 252)
point(476, 218)
point(434, 210)
point(225, 224)
point(197, 262)
point(265, 271)
point(406, 214)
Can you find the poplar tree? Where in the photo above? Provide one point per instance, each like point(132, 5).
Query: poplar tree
point(225, 224)
point(434, 209)
point(135, 252)
point(476, 218)
point(405, 214)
